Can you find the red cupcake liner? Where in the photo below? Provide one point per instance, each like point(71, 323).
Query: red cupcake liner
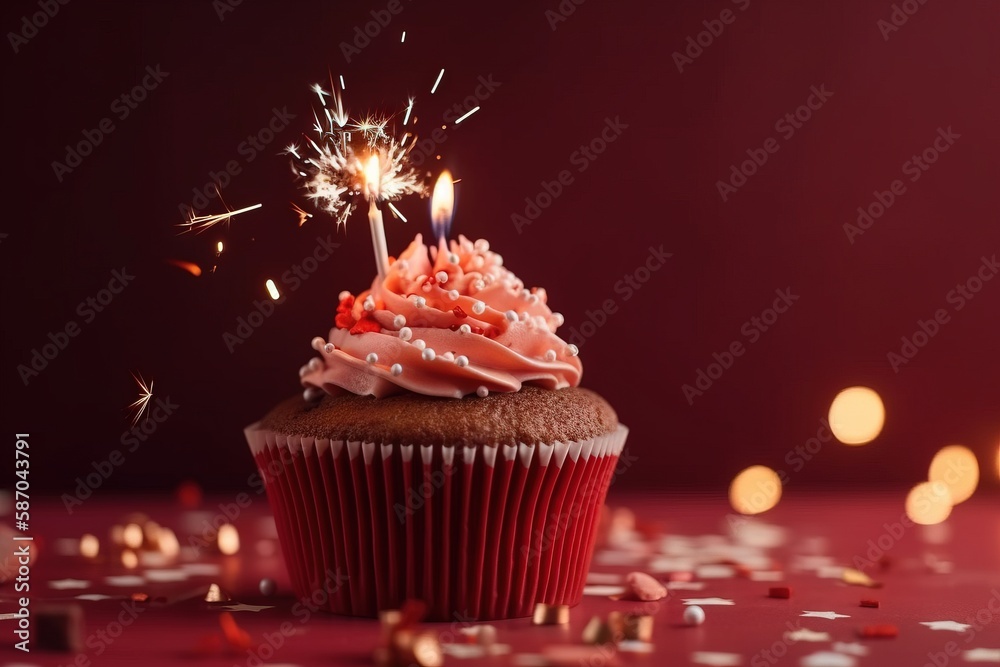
point(475, 532)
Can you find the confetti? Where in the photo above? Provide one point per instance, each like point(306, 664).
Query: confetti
point(643, 587)
point(603, 591)
point(869, 604)
point(709, 602)
point(779, 592)
point(982, 655)
point(68, 584)
point(631, 626)
point(858, 578)
point(829, 615)
point(715, 572)
point(806, 635)
point(850, 648)
point(827, 659)
point(550, 614)
point(950, 626)
point(716, 659)
point(598, 631)
point(633, 646)
point(884, 631)
point(94, 597)
point(124, 581)
point(603, 578)
point(247, 607)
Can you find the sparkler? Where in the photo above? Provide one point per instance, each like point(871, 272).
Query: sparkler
point(199, 223)
point(141, 404)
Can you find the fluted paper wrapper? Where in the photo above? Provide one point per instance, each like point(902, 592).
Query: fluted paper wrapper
point(475, 532)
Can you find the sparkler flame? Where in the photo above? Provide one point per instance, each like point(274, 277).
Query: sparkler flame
point(141, 404)
point(442, 204)
point(336, 165)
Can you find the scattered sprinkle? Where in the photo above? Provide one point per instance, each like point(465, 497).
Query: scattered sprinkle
point(405, 334)
point(428, 354)
point(399, 321)
point(461, 361)
point(372, 358)
point(396, 370)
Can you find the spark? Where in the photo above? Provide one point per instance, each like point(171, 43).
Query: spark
point(409, 109)
point(292, 149)
point(141, 404)
point(342, 86)
point(465, 115)
point(435, 87)
point(272, 289)
point(319, 91)
point(303, 216)
point(403, 38)
point(199, 223)
point(396, 212)
point(190, 267)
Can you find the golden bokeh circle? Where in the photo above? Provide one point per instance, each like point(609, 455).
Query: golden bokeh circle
point(857, 415)
point(929, 503)
point(957, 467)
point(755, 490)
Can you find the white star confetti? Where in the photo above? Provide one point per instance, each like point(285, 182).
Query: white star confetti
point(603, 590)
point(716, 659)
point(850, 648)
point(807, 635)
point(830, 615)
point(124, 580)
point(94, 597)
point(68, 584)
point(706, 602)
point(951, 626)
point(828, 659)
point(685, 585)
point(982, 655)
point(247, 607)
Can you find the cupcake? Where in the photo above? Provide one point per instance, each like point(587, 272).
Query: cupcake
point(442, 449)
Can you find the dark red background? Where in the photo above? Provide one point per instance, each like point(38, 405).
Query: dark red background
point(655, 185)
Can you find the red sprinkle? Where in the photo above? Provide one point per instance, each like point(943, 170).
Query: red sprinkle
point(885, 631)
point(780, 592)
point(871, 604)
point(459, 313)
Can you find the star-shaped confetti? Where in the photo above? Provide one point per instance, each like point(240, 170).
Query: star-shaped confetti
point(828, 659)
point(94, 597)
point(716, 659)
point(603, 589)
point(850, 648)
point(68, 584)
point(807, 635)
point(982, 655)
point(124, 580)
point(706, 602)
point(247, 607)
point(952, 626)
point(823, 614)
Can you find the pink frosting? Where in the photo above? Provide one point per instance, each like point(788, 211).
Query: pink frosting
point(444, 347)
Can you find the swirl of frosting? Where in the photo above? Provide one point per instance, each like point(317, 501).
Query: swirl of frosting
point(445, 321)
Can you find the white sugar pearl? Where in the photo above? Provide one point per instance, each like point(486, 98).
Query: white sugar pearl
point(482, 392)
point(511, 316)
point(399, 321)
point(343, 295)
point(315, 364)
point(442, 277)
point(465, 328)
point(453, 295)
point(447, 356)
point(532, 299)
point(488, 279)
point(372, 358)
point(405, 334)
point(498, 259)
point(428, 354)
point(550, 355)
point(525, 294)
point(573, 350)
point(558, 319)
point(317, 343)
point(453, 258)
point(396, 370)
point(419, 301)
point(525, 316)
point(403, 264)
point(479, 307)
point(369, 304)
point(419, 344)
point(478, 285)
point(304, 370)
point(329, 348)
point(694, 615)
point(461, 361)
point(482, 245)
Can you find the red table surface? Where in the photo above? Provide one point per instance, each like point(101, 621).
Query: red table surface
point(839, 527)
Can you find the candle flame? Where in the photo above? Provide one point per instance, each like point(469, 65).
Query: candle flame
point(373, 177)
point(442, 204)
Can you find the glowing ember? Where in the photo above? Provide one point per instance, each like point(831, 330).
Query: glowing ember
point(200, 223)
point(755, 490)
point(229, 540)
point(857, 415)
point(303, 216)
point(190, 267)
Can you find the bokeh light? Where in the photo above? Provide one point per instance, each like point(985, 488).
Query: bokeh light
point(755, 490)
point(956, 466)
point(929, 503)
point(89, 546)
point(857, 415)
point(228, 539)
